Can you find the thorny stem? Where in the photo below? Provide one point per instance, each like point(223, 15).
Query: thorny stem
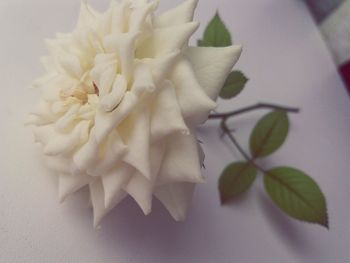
point(226, 130)
point(251, 108)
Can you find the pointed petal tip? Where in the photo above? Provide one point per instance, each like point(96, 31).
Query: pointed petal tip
point(97, 225)
point(179, 216)
point(146, 207)
point(97, 220)
point(108, 200)
point(61, 197)
point(147, 211)
point(237, 48)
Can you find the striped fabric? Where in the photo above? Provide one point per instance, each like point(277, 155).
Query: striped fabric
point(333, 18)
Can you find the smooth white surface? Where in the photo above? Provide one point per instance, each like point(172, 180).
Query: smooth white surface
point(287, 62)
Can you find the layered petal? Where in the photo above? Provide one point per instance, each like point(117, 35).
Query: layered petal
point(166, 114)
point(181, 14)
point(212, 65)
point(176, 36)
point(176, 197)
point(68, 184)
point(181, 162)
point(194, 102)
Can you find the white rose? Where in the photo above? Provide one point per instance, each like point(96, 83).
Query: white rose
point(121, 99)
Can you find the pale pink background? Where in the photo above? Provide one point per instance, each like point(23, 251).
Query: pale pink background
point(287, 62)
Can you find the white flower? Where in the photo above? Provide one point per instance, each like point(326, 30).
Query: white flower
point(121, 99)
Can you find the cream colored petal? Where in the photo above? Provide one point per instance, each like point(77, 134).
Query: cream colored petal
point(115, 180)
point(51, 89)
point(43, 114)
point(106, 121)
point(143, 80)
point(161, 67)
point(176, 197)
point(139, 15)
point(63, 165)
point(212, 66)
point(194, 102)
point(181, 162)
point(60, 143)
point(43, 134)
point(111, 100)
point(124, 46)
point(178, 15)
point(87, 16)
point(157, 153)
point(86, 157)
point(68, 184)
point(35, 120)
point(110, 152)
point(120, 13)
point(166, 114)
point(104, 24)
point(68, 120)
point(141, 189)
point(43, 80)
point(166, 40)
point(71, 65)
point(135, 131)
point(97, 200)
point(104, 72)
point(107, 79)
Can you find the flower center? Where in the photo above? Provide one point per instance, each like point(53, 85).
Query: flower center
point(80, 92)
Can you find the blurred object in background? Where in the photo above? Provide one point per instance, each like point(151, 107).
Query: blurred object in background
point(333, 18)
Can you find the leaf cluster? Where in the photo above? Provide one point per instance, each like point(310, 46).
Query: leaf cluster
point(291, 189)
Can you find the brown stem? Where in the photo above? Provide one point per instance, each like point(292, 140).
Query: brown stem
point(257, 106)
point(227, 131)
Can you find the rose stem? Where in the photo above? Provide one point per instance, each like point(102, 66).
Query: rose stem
point(225, 116)
point(257, 106)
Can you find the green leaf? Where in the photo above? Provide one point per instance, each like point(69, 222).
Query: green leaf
point(234, 84)
point(297, 194)
point(269, 133)
point(216, 34)
point(236, 179)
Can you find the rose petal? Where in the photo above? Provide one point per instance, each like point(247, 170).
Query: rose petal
point(87, 15)
point(120, 12)
point(141, 189)
point(162, 66)
point(106, 121)
point(181, 14)
point(110, 152)
point(176, 197)
point(135, 131)
point(64, 143)
point(115, 180)
point(181, 161)
point(212, 65)
point(166, 114)
point(124, 46)
point(68, 184)
point(97, 200)
point(194, 102)
point(139, 15)
point(176, 37)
